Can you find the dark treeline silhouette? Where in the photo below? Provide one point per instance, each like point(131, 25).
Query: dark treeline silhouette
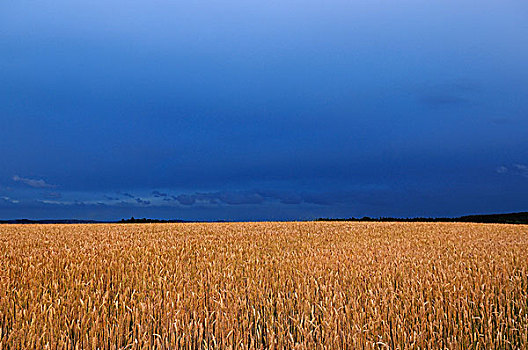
point(510, 218)
point(132, 220)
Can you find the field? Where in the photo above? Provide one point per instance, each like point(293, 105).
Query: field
point(264, 285)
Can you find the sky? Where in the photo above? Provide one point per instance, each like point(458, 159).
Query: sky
point(262, 110)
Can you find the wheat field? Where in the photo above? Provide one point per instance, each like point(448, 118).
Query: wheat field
point(302, 285)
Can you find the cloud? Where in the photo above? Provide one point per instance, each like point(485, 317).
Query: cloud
point(237, 198)
point(35, 183)
point(501, 170)
point(52, 202)
point(158, 194)
point(224, 197)
point(371, 197)
point(515, 169)
point(137, 199)
point(202, 198)
point(111, 198)
point(521, 169)
point(141, 201)
point(10, 200)
point(185, 199)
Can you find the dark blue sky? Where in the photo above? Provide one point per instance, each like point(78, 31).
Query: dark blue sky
point(253, 110)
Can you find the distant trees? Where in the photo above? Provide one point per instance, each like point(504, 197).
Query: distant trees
point(510, 218)
point(133, 220)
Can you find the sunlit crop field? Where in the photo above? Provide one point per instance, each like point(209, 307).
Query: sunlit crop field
point(264, 285)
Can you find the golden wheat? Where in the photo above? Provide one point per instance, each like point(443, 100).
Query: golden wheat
point(264, 285)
